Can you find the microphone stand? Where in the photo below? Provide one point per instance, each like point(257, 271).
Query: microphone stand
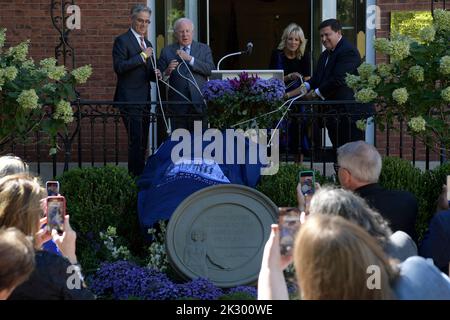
point(229, 55)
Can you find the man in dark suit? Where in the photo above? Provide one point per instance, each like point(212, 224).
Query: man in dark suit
point(132, 54)
point(358, 168)
point(328, 83)
point(187, 64)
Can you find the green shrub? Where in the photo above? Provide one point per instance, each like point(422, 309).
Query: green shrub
point(96, 199)
point(432, 182)
point(281, 187)
point(399, 174)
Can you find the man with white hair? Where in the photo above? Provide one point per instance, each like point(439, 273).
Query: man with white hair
point(187, 64)
point(358, 168)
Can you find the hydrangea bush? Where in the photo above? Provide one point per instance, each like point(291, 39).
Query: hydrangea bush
point(236, 100)
point(34, 96)
point(415, 86)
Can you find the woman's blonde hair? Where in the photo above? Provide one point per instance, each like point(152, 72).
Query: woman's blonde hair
point(20, 206)
point(297, 31)
point(334, 259)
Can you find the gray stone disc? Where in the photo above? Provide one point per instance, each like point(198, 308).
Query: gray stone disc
point(219, 233)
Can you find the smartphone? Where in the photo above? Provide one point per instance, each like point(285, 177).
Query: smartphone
point(448, 188)
point(308, 182)
point(52, 188)
point(56, 211)
point(288, 224)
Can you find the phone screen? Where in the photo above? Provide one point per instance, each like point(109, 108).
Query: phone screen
point(307, 182)
point(52, 188)
point(56, 210)
point(289, 224)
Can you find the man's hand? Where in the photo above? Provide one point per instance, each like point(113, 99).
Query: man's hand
point(172, 66)
point(311, 96)
point(303, 89)
point(158, 74)
point(184, 55)
point(148, 52)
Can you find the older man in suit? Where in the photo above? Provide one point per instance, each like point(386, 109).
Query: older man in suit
point(187, 64)
point(328, 83)
point(132, 54)
point(359, 168)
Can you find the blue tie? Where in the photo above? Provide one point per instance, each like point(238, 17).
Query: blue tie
point(186, 49)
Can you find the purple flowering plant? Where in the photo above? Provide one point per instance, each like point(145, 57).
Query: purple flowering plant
point(232, 101)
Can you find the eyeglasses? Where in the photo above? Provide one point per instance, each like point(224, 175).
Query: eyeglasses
point(142, 21)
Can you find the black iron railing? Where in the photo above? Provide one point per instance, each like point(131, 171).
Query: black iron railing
point(98, 137)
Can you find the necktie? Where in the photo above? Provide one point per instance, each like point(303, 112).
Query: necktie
point(142, 43)
point(186, 49)
point(328, 57)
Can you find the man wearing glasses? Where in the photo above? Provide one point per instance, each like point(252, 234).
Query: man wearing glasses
point(132, 58)
point(187, 64)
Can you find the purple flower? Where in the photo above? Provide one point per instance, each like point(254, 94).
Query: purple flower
point(200, 288)
point(125, 280)
point(250, 291)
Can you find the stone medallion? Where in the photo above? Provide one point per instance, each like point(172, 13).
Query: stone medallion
point(219, 233)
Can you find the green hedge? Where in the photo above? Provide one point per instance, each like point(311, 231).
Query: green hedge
point(281, 186)
point(98, 198)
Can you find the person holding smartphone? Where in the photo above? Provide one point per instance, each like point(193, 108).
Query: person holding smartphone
point(23, 194)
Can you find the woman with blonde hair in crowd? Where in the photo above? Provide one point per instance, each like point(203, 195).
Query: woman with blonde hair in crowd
point(16, 260)
point(10, 164)
point(22, 205)
point(337, 259)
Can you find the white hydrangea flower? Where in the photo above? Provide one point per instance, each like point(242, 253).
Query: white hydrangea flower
point(399, 49)
point(82, 74)
point(444, 65)
point(10, 73)
point(400, 95)
point(373, 81)
point(417, 124)
point(417, 73)
point(56, 73)
point(19, 52)
point(352, 81)
point(445, 94)
point(427, 34)
point(365, 70)
point(64, 112)
point(382, 45)
point(384, 70)
point(442, 19)
point(365, 95)
point(361, 124)
point(28, 99)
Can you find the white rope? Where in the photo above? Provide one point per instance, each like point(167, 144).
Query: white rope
point(189, 80)
point(153, 62)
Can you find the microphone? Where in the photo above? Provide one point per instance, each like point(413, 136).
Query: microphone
point(248, 51)
point(249, 48)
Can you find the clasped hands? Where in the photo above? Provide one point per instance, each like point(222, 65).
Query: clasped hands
point(302, 90)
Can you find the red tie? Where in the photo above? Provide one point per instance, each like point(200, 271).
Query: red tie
point(142, 43)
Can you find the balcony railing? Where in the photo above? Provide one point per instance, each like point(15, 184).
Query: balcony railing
point(98, 137)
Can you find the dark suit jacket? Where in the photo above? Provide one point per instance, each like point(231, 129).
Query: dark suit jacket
point(133, 74)
point(399, 208)
point(203, 64)
point(330, 79)
point(436, 243)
